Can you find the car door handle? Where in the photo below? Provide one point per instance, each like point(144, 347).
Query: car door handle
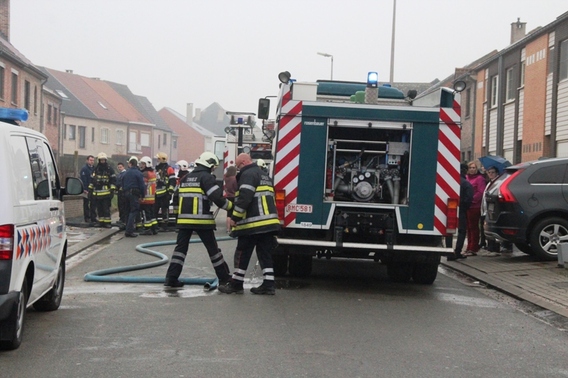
point(53, 208)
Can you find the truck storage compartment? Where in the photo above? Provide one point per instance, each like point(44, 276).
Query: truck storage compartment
point(368, 162)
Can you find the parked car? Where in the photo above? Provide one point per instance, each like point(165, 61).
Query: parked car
point(528, 205)
point(33, 241)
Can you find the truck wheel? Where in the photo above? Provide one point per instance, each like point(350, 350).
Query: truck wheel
point(300, 265)
point(52, 299)
point(13, 326)
point(399, 272)
point(280, 263)
point(425, 274)
point(546, 235)
point(525, 248)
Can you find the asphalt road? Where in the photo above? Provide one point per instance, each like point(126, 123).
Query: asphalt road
point(347, 320)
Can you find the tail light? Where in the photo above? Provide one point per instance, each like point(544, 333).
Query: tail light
point(280, 197)
point(6, 241)
point(505, 195)
point(452, 216)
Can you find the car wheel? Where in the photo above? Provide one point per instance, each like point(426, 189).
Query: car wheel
point(546, 235)
point(525, 248)
point(13, 326)
point(52, 299)
point(280, 263)
point(300, 265)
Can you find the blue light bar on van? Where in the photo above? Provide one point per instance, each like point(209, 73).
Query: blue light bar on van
point(372, 79)
point(14, 114)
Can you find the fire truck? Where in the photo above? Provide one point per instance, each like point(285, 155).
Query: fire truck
point(366, 172)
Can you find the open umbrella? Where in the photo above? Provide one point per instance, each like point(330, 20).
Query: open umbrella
point(498, 162)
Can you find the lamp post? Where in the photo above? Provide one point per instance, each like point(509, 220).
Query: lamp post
point(328, 56)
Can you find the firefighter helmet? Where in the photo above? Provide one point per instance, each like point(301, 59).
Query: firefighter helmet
point(146, 160)
point(102, 155)
point(162, 156)
point(183, 165)
point(261, 163)
point(133, 160)
point(208, 159)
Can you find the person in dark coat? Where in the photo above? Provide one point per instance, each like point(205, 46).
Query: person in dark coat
point(255, 222)
point(466, 198)
point(89, 211)
point(134, 189)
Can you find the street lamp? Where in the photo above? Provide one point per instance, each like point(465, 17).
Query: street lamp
point(328, 56)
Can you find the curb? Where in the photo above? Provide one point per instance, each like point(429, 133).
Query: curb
point(74, 249)
point(504, 287)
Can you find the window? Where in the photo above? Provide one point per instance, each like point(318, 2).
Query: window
point(54, 115)
point(145, 139)
point(467, 102)
point(49, 108)
point(549, 175)
point(64, 132)
point(14, 88)
point(104, 136)
point(563, 60)
point(159, 136)
point(71, 132)
point(174, 143)
point(82, 135)
point(120, 137)
point(2, 81)
point(510, 85)
point(38, 161)
point(92, 135)
point(494, 88)
point(27, 94)
point(165, 139)
point(35, 99)
point(523, 66)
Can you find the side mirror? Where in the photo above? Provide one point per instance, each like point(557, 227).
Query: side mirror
point(73, 186)
point(43, 189)
point(263, 108)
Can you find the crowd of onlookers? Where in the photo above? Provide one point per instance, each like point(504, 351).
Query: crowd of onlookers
point(475, 181)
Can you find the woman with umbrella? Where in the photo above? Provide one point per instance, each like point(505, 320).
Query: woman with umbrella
point(477, 181)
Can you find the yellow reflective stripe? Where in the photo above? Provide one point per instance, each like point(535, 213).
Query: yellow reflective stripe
point(195, 205)
point(191, 190)
point(239, 214)
point(262, 188)
point(265, 205)
point(180, 205)
point(247, 226)
point(196, 221)
point(161, 191)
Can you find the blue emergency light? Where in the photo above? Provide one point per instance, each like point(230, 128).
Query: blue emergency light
point(14, 114)
point(372, 79)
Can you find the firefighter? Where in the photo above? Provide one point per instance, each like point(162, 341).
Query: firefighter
point(255, 222)
point(262, 164)
point(102, 188)
point(194, 196)
point(165, 185)
point(147, 203)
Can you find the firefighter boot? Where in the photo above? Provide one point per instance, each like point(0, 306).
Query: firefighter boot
point(231, 287)
point(264, 289)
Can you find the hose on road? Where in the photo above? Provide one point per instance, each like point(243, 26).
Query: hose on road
point(102, 275)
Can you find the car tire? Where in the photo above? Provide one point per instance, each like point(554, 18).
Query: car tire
point(13, 326)
point(425, 274)
point(546, 235)
point(525, 248)
point(400, 272)
point(300, 265)
point(52, 299)
point(280, 264)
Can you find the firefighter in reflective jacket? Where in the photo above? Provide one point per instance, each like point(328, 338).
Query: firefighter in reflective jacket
point(165, 184)
point(147, 203)
point(194, 196)
point(102, 188)
point(255, 222)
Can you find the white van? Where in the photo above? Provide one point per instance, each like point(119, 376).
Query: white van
point(33, 241)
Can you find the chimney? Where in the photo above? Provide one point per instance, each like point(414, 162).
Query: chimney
point(518, 30)
point(5, 19)
point(189, 113)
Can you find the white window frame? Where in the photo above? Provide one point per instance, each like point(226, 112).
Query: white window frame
point(494, 90)
point(120, 137)
point(563, 61)
point(105, 135)
point(145, 139)
point(509, 87)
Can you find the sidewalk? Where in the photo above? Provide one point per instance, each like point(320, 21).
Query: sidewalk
point(542, 283)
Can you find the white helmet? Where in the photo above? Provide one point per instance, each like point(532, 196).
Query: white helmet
point(146, 160)
point(208, 159)
point(183, 165)
point(101, 155)
point(261, 163)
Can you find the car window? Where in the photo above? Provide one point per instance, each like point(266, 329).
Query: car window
point(549, 175)
point(39, 163)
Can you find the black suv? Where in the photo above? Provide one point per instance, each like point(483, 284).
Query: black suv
point(528, 205)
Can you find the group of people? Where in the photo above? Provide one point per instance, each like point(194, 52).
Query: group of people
point(472, 210)
point(252, 219)
point(152, 186)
